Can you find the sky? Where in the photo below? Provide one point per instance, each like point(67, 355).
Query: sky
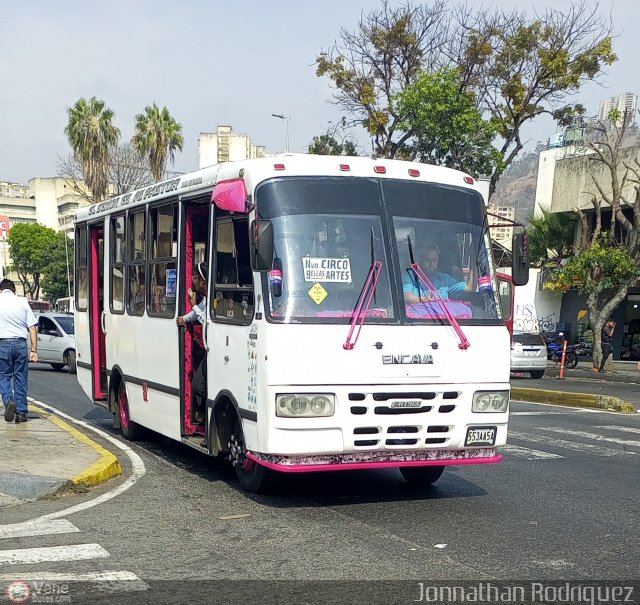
point(210, 63)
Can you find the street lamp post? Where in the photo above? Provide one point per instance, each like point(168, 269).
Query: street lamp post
point(286, 119)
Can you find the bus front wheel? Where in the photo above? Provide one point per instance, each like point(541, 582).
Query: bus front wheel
point(253, 477)
point(421, 475)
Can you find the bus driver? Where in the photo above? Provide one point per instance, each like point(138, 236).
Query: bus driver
point(416, 292)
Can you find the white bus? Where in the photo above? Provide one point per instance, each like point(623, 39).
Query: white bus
point(316, 358)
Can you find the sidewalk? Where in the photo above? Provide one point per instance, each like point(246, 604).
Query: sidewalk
point(45, 455)
point(623, 371)
point(581, 387)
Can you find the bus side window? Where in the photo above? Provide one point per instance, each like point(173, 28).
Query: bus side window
point(234, 299)
point(162, 264)
point(136, 267)
point(116, 294)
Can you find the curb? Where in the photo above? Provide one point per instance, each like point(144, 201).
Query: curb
point(104, 469)
point(580, 400)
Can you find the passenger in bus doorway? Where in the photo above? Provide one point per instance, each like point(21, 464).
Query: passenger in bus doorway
point(198, 313)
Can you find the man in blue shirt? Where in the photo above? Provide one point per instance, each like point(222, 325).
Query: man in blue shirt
point(448, 287)
point(17, 324)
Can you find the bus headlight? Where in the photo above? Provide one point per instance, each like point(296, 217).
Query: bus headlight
point(305, 406)
point(490, 401)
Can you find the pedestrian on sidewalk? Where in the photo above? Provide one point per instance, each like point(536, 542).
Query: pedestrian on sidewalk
point(17, 327)
point(605, 337)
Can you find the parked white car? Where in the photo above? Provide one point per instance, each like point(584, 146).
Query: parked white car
point(528, 354)
point(56, 340)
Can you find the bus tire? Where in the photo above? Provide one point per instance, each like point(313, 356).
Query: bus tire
point(57, 366)
point(128, 429)
point(253, 477)
point(421, 475)
point(70, 360)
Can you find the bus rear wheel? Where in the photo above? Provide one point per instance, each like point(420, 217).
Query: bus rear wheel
point(253, 477)
point(128, 429)
point(421, 475)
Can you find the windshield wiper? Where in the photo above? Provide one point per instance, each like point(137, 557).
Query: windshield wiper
point(420, 274)
point(367, 293)
point(364, 300)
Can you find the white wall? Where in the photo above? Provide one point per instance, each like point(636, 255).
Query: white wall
point(535, 310)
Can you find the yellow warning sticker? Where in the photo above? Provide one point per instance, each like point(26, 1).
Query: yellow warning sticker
point(317, 293)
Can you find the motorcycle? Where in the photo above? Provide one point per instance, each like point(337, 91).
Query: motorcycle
point(554, 353)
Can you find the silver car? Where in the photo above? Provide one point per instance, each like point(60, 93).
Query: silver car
point(56, 341)
point(528, 354)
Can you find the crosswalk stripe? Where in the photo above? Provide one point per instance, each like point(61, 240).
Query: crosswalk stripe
point(78, 552)
point(37, 528)
point(570, 445)
point(118, 581)
point(626, 429)
point(595, 436)
point(525, 452)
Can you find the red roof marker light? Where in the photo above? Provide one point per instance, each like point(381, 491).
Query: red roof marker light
point(414, 172)
point(278, 166)
point(469, 180)
point(345, 167)
point(379, 169)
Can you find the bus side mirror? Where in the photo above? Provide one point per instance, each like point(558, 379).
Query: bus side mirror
point(520, 259)
point(261, 245)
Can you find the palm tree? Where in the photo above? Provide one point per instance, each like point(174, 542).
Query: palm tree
point(91, 134)
point(551, 237)
point(157, 135)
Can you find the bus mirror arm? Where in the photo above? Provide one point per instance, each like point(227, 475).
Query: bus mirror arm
point(261, 245)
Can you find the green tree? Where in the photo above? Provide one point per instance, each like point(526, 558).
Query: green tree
point(326, 144)
point(57, 277)
point(518, 67)
point(30, 250)
point(551, 237)
point(157, 136)
point(446, 125)
point(535, 64)
point(91, 134)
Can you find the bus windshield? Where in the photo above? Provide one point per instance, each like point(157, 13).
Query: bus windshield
point(328, 231)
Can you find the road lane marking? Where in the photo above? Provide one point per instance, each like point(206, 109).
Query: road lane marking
point(570, 445)
point(528, 453)
point(43, 528)
point(77, 552)
point(594, 436)
point(138, 469)
point(549, 413)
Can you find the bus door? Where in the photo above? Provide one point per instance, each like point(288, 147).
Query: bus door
point(191, 348)
point(96, 312)
point(232, 362)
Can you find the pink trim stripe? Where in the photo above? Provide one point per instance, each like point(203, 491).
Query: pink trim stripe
point(314, 468)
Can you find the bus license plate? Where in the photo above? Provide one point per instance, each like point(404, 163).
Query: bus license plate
point(481, 435)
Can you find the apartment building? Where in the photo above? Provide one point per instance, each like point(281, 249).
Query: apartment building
point(225, 145)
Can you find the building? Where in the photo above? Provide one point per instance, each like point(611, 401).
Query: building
point(566, 182)
point(52, 202)
point(225, 145)
point(627, 102)
point(500, 219)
